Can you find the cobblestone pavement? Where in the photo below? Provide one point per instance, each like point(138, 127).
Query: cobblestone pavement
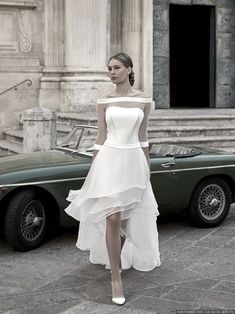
point(197, 275)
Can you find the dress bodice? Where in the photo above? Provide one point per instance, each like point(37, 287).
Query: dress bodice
point(123, 121)
point(123, 126)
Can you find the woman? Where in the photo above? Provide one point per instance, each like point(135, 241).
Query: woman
point(116, 206)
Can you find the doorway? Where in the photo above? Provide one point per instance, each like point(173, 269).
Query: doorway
point(192, 56)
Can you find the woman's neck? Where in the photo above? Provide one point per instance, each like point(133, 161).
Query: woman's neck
point(123, 89)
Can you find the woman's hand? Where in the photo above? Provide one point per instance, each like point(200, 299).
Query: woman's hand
point(146, 153)
point(95, 152)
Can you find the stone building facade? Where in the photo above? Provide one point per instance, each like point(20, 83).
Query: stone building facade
point(183, 52)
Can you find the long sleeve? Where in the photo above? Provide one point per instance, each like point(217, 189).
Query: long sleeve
point(143, 132)
point(102, 128)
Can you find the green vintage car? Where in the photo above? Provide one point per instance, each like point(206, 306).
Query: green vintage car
point(34, 187)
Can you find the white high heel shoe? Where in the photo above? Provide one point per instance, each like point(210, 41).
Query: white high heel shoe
point(119, 300)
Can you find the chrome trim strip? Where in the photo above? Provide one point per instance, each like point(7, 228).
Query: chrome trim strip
point(190, 169)
point(123, 99)
point(41, 182)
point(83, 178)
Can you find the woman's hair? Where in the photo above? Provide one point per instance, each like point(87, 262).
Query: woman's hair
point(126, 60)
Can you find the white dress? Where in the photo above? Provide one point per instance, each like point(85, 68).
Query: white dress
point(119, 181)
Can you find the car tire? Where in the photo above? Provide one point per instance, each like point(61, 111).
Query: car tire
point(210, 203)
point(26, 221)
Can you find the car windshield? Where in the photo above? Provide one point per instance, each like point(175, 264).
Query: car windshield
point(170, 150)
point(79, 141)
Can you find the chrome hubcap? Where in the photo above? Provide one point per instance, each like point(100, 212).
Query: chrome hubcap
point(212, 201)
point(32, 220)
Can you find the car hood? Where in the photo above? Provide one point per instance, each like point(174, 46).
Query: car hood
point(37, 160)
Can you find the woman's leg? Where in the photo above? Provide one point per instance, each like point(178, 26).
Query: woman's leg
point(123, 237)
point(113, 242)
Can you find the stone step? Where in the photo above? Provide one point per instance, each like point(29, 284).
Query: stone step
point(212, 141)
point(187, 130)
point(9, 147)
point(153, 131)
point(205, 121)
point(14, 135)
point(219, 142)
point(163, 133)
point(213, 117)
point(72, 118)
point(166, 131)
point(205, 127)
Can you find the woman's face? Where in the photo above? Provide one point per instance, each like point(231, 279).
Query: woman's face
point(118, 72)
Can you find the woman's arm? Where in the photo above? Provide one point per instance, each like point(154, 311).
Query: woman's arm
point(143, 132)
point(102, 129)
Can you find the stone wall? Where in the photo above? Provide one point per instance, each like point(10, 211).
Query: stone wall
point(161, 56)
point(21, 56)
point(63, 46)
point(225, 77)
point(225, 50)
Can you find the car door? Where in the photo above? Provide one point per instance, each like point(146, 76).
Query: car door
point(164, 179)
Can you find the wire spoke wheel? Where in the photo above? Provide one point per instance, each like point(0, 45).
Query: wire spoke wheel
point(26, 220)
point(32, 220)
point(212, 201)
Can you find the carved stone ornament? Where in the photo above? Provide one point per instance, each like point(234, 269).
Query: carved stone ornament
point(25, 40)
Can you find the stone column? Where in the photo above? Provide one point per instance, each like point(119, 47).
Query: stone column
point(161, 56)
point(147, 48)
point(225, 55)
point(131, 35)
point(39, 130)
point(53, 54)
point(87, 42)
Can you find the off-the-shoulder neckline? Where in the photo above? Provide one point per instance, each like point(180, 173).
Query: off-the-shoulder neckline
point(124, 99)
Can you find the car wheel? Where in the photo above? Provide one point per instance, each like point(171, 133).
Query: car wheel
point(25, 221)
point(210, 202)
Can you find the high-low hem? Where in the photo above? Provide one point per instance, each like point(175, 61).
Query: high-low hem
point(95, 209)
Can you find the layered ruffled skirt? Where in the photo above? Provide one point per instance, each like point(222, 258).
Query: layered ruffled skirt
point(118, 181)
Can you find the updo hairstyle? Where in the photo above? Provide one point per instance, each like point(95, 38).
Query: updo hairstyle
point(126, 60)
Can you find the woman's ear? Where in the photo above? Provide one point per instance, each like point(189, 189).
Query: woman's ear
point(129, 70)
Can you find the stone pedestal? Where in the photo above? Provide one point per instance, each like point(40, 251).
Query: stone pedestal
point(39, 130)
